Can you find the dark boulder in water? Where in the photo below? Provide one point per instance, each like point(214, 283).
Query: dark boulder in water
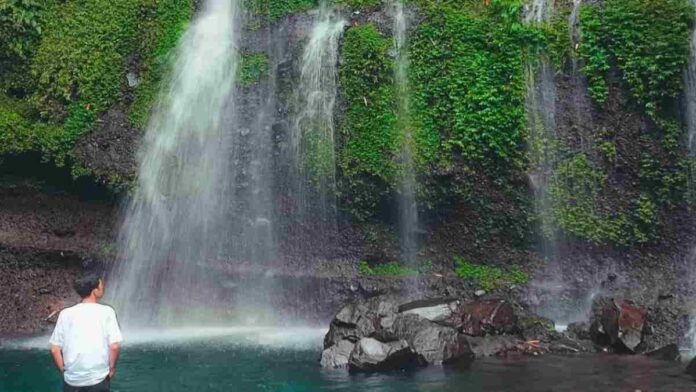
point(371, 355)
point(435, 344)
point(358, 320)
point(338, 355)
point(375, 336)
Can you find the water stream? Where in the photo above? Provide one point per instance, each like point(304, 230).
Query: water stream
point(408, 206)
point(312, 138)
point(175, 222)
point(690, 114)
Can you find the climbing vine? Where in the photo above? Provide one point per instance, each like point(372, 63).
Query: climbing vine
point(161, 31)
point(648, 41)
point(369, 139)
point(252, 68)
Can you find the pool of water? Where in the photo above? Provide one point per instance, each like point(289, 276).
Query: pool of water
point(267, 359)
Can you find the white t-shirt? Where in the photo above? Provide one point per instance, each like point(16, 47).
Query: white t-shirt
point(84, 333)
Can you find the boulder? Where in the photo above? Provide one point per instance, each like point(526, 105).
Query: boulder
point(371, 355)
point(490, 346)
point(443, 311)
point(579, 331)
point(433, 343)
point(488, 317)
point(669, 352)
point(337, 356)
point(537, 328)
point(358, 320)
point(618, 324)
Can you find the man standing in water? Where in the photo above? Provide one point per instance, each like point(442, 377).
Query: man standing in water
point(85, 342)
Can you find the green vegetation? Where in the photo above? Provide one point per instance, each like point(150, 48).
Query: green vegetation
point(63, 63)
point(161, 30)
point(253, 67)
point(557, 32)
point(487, 277)
point(369, 138)
point(648, 40)
point(575, 191)
point(594, 52)
point(468, 86)
point(360, 4)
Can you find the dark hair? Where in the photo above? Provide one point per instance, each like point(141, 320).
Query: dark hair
point(86, 283)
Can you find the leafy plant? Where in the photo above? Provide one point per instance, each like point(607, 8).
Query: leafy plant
point(487, 277)
point(369, 140)
point(392, 269)
point(252, 68)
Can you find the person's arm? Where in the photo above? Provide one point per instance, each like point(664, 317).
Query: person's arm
point(57, 355)
point(114, 351)
point(57, 340)
point(115, 338)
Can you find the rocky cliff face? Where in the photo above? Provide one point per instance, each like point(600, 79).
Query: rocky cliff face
point(48, 231)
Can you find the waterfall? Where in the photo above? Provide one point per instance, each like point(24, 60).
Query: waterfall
point(541, 116)
point(175, 226)
point(538, 11)
point(540, 104)
point(312, 137)
point(690, 118)
point(408, 207)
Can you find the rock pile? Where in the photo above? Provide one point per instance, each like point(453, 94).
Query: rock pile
point(381, 334)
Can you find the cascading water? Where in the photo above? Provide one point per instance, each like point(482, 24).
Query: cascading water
point(541, 115)
point(408, 207)
point(175, 225)
point(690, 114)
point(541, 121)
point(538, 11)
point(312, 137)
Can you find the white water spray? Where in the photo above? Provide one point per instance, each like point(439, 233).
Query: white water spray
point(174, 224)
point(312, 138)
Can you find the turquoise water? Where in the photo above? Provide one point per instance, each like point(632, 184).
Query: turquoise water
point(287, 361)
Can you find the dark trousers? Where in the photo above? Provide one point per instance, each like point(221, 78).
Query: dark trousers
point(104, 386)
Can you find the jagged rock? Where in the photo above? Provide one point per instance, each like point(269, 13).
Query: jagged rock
point(618, 324)
point(489, 346)
point(360, 320)
point(337, 356)
point(669, 352)
point(488, 316)
point(443, 311)
point(435, 344)
point(537, 328)
point(371, 355)
point(579, 330)
point(691, 368)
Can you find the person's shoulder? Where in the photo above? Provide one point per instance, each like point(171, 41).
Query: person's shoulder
point(107, 309)
point(68, 310)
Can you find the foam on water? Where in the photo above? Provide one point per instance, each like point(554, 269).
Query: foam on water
point(273, 337)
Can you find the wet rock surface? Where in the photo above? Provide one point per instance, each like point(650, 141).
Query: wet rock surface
point(619, 325)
